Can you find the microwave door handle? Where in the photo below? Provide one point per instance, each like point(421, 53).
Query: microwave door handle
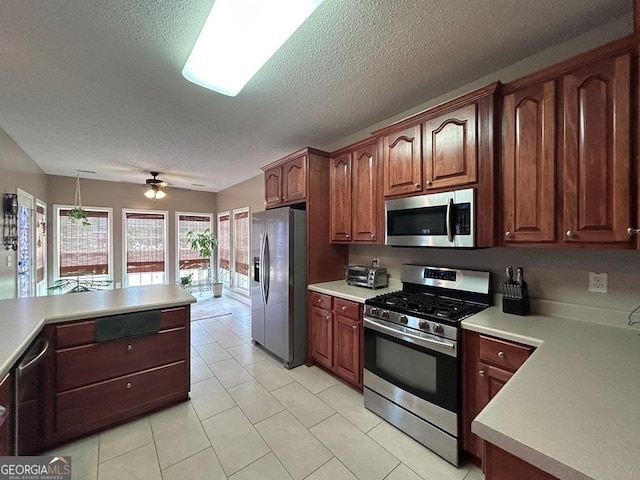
point(450, 220)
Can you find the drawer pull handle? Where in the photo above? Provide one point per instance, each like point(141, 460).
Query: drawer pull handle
point(481, 373)
point(354, 327)
point(501, 354)
point(344, 309)
point(129, 347)
point(320, 300)
point(328, 317)
point(128, 385)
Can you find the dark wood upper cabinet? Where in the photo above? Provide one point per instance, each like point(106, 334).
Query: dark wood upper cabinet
point(528, 164)
point(402, 159)
point(294, 180)
point(451, 149)
point(273, 187)
point(365, 193)
point(354, 194)
point(596, 180)
point(340, 198)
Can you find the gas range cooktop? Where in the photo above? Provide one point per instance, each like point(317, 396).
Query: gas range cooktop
point(433, 300)
point(426, 305)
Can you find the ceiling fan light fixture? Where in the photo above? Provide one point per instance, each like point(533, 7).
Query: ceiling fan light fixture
point(160, 195)
point(150, 193)
point(238, 38)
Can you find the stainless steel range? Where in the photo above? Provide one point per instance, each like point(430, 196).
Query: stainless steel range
point(411, 361)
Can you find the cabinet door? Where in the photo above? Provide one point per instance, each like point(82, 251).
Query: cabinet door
point(273, 186)
point(322, 337)
point(340, 198)
point(347, 348)
point(528, 147)
point(451, 149)
point(490, 380)
point(402, 162)
point(294, 181)
point(6, 416)
point(597, 147)
point(364, 210)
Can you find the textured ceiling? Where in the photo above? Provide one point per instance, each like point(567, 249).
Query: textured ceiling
point(96, 85)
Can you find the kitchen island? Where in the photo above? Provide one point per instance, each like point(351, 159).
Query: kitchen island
point(108, 356)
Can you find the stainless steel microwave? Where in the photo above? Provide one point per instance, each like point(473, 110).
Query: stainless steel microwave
point(434, 220)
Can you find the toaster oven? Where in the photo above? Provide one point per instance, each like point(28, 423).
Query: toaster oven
point(365, 276)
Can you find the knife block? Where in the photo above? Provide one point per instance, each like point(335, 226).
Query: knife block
point(515, 298)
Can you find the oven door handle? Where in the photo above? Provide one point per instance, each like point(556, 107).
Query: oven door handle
point(448, 348)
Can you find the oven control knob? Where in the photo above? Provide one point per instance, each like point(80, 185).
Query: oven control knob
point(423, 325)
point(384, 314)
point(403, 319)
point(438, 329)
point(374, 311)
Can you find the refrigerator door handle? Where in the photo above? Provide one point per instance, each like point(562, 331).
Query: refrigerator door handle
point(266, 268)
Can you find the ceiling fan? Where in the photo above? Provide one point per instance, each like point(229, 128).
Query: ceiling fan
point(155, 187)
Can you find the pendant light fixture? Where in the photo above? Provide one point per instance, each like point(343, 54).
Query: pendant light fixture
point(238, 38)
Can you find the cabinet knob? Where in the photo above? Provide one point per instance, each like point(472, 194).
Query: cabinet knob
point(282, 197)
point(344, 309)
point(129, 347)
point(570, 233)
point(347, 235)
point(633, 231)
point(508, 234)
point(481, 373)
point(327, 317)
point(373, 236)
point(128, 385)
point(428, 182)
point(417, 185)
point(354, 327)
point(501, 354)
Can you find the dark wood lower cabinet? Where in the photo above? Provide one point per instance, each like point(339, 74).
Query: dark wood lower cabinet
point(501, 465)
point(335, 338)
point(93, 385)
point(6, 415)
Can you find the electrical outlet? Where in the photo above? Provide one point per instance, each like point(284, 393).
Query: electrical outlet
point(598, 282)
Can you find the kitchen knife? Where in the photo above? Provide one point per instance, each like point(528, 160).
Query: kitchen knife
point(520, 280)
point(509, 272)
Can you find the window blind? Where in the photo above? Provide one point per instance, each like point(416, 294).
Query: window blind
point(190, 259)
point(145, 242)
point(241, 242)
point(224, 250)
point(84, 250)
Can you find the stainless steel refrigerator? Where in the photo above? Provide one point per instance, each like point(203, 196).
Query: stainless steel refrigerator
point(278, 285)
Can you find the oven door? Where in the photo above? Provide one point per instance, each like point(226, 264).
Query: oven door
point(423, 365)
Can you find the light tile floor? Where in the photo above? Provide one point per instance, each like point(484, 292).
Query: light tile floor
point(249, 418)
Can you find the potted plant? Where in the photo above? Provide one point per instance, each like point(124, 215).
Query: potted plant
point(78, 214)
point(206, 243)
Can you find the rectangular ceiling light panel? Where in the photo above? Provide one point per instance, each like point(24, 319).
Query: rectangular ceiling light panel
point(239, 37)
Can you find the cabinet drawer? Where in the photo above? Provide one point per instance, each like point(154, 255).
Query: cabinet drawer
point(84, 332)
point(503, 354)
point(114, 400)
point(87, 364)
point(346, 308)
point(321, 300)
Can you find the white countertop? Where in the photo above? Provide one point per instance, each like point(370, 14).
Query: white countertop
point(341, 289)
point(22, 319)
point(573, 408)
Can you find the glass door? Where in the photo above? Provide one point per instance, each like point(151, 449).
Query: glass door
point(25, 280)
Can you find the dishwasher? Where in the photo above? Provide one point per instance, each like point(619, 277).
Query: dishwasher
point(30, 380)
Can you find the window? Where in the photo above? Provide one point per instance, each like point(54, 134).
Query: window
point(83, 251)
point(190, 263)
point(224, 247)
point(145, 240)
point(241, 249)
